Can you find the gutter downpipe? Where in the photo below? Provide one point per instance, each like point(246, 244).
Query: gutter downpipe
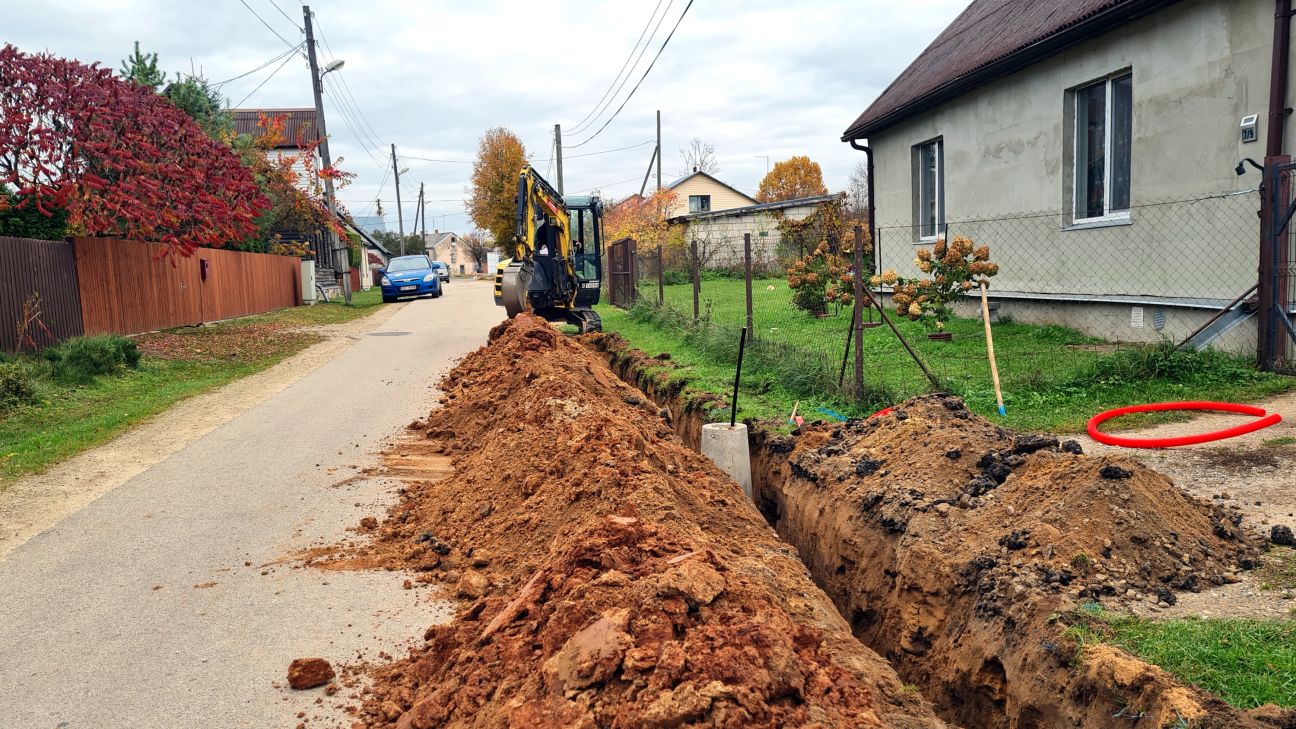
point(1270, 247)
point(877, 245)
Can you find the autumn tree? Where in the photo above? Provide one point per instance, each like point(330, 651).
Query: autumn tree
point(492, 195)
point(699, 157)
point(643, 219)
point(117, 158)
point(142, 68)
point(793, 178)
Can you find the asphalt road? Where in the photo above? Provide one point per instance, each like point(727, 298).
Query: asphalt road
point(149, 607)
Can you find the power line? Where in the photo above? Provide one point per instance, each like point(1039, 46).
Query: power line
point(429, 159)
point(263, 83)
point(610, 184)
point(599, 109)
point(355, 105)
point(633, 48)
point(286, 15)
point(279, 57)
point(605, 151)
point(641, 79)
point(267, 25)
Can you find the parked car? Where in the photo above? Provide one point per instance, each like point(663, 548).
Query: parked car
point(443, 269)
point(410, 276)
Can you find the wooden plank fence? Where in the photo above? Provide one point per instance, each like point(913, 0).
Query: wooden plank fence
point(106, 285)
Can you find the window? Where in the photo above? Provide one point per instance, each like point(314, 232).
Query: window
point(1103, 122)
point(699, 203)
point(929, 162)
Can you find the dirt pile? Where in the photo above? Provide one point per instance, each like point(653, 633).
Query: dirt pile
point(614, 577)
point(951, 545)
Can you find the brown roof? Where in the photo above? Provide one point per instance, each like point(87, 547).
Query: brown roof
point(989, 40)
point(299, 120)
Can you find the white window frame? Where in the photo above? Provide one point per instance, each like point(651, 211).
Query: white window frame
point(938, 225)
point(1077, 185)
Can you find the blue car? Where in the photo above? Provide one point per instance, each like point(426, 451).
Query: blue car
point(410, 276)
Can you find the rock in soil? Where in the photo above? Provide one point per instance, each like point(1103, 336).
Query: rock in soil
point(1282, 535)
point(633, 583)
point(305, 673)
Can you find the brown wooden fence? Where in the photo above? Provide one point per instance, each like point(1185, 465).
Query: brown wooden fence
point(127, 288)
point(43, 268)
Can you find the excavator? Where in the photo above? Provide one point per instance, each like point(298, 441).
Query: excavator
point(556, 270)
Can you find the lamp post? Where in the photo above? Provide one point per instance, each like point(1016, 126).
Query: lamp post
point(400, 216)
point(341, 254)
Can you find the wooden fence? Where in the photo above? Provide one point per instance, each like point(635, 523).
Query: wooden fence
point(127, 287)
point(106, 285)
point(42, 269)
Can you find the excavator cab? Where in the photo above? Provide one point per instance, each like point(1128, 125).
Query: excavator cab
point(556, 269)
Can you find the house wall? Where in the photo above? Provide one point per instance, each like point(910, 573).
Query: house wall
point(720, 239)
point(1198, 67)
point(722, 198)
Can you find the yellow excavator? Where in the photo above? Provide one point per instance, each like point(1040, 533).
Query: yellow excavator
point(556, 270)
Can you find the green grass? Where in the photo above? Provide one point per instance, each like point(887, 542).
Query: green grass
point(1245, 662)
point(1053, 378)
point(1277, 569)
point(68, 418)
point(1280, 441)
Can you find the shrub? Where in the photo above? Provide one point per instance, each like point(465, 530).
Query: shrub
point(81, 359)
point(820, 278)
point(955, 268)
point(16, 386)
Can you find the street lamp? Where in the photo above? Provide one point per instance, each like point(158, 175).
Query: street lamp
point(333, 66)
point(341, 253)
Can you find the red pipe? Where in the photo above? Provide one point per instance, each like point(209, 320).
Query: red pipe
point(1228, 407)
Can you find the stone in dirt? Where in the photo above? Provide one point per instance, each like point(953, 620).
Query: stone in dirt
point(305, 673)
point(1282, 535)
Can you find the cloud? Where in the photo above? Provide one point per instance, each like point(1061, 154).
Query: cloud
point(754, 78)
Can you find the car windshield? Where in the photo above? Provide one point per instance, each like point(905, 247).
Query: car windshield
point(440, 264)
point(408, 263)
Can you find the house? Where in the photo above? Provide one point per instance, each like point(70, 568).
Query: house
point(701, 193)
point(719, 233)
point(451, 248)
point(1094, 145)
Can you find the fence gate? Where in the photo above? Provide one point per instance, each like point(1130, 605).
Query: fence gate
point(1278, 274)
point(622, 269)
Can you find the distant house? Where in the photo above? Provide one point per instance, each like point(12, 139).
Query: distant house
point(719, 233)
point(451, 248)
point(1093, 145)
point(701, 193)
point(370, 224)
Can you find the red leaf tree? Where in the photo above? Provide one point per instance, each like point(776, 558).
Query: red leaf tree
point(120, 159)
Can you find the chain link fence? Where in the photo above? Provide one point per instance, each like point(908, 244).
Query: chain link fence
point(1071, 302)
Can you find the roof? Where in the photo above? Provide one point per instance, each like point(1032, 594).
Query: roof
point(371, 223)
point(989, 40)
point(761, 208)
point(435, 238)
point(688, 177)
point(299, 120)
point(369, 240)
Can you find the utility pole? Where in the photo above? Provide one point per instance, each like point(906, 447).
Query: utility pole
point(558, 149)
point(341, 254)
point(659, 149)
point(400, 217)
point(423, 215)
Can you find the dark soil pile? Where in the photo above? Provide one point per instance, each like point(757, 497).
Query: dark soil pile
point(614, 577)
point(952, 545)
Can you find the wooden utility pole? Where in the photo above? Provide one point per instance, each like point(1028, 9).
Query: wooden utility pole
point(558, 154)
point(400, 217)
point(659, 186)
point(341, 254)
point(423, 213)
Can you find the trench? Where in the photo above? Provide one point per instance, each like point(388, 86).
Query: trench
point(983, 648)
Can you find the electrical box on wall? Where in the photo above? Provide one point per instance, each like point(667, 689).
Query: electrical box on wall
point(1249, 133)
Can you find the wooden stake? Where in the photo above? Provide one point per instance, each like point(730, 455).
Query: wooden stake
point(994, 367)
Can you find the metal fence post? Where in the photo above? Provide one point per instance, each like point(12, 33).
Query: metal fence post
point(747, 276)
point(696, 265)
point(858, 321)
point(661, 276)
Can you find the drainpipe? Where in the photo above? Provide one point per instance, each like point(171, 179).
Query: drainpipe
point(877, 245)
point(1267, 344)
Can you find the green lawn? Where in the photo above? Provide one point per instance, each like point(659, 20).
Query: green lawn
point(179, 363)
point(1053, 378)
point(1245, 662)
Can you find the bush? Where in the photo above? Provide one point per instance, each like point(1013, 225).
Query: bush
point(16, 386)
point(81, 359)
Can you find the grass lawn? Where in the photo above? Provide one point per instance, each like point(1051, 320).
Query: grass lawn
point(1245, 662)
point(178, 363)
point(1053, 378)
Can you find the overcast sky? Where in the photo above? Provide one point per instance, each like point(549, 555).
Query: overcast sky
point(751, 77)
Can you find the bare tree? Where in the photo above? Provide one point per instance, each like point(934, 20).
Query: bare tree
point(699, 157)
point(857, 191)
point(478, 247)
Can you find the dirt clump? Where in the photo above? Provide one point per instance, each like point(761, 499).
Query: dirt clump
point(306, 673)
point(953, 545)
point(610, 575)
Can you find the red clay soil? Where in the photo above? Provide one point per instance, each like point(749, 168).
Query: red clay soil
point(953, 546)
point(614, 577)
